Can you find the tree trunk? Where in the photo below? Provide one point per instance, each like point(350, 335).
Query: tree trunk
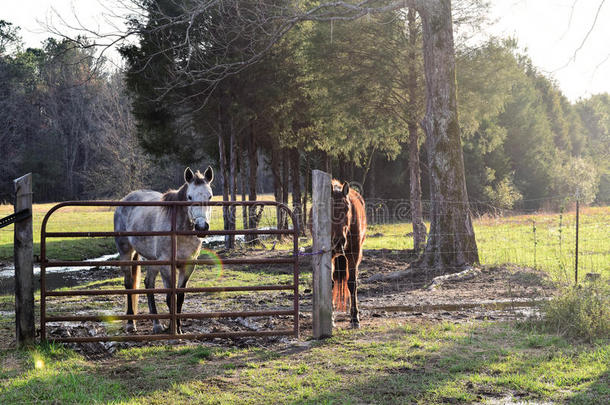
point(242, 171)
point(295, 164)
point(253, 214)
point(233, 186)
point(285, 178)
point(224, 176)
point(365, 170)
point(277, 186)
point(305, 189)
point(369, 178)
point(341, 164)
point(327, 164)
point(419, 228)
point(451, 243)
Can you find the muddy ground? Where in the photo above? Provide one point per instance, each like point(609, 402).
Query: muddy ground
point(495, 293)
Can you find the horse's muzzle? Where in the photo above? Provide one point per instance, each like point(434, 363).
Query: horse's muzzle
point(202, 228)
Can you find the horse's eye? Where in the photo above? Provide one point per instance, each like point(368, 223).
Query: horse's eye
point(190, 198)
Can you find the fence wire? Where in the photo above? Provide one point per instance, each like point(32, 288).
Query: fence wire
point(541, 239)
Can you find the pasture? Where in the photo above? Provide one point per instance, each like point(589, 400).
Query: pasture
point(510, 239)
point(404, 353)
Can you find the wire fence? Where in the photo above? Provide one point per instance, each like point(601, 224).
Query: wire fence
point(543, 239)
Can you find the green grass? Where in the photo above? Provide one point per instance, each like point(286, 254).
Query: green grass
point(581, 312)
point(75, 219)
point(393, 363)
point(52, 374)
point(91, 219)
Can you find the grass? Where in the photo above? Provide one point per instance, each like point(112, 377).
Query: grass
point(543, 241)
point(582, 312)
point(66, 219)
point(392, 363)
point(89, 219)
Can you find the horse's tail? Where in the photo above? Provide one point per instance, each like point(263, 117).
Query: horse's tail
point(340, 290)
point(135, 282)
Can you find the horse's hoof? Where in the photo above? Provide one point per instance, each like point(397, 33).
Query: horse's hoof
point(130, 328)
point(179, 331)
point(355, 325)
point(158, 329)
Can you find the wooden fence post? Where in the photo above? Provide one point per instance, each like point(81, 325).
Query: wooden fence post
point(321, 260)
point(24, 270)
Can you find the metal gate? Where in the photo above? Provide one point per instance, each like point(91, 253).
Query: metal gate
point(172, 315)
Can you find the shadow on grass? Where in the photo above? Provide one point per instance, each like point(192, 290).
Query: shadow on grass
point(401, 364)
point(597, 393)
point(511, 366)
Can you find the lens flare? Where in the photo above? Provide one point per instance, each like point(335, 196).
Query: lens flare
point(217, 266)
point(109, 318)
point(38, 361)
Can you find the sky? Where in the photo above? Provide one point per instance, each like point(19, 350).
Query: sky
point(551, 32)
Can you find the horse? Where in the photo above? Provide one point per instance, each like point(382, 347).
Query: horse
point(348, 231)
point(196, 188)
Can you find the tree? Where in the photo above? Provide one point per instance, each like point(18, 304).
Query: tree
point(417, 216)
point(71, 90)
point(595, 118)
point(451, 242)
point(16, 74)
point(121, 165)
point(197, 45)
point(577, 179)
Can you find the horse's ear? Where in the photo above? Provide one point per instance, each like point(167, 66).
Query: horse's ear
point(188, 175)
point(345, 189)
point(209, 174)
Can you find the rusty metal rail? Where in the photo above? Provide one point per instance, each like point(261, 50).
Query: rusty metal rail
point(173, 263)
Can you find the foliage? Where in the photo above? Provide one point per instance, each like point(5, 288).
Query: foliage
point(594, 115)
point(580, 312)
point(68, 121)
point(504, 194)
point(335, 90)
point(357, 75)
point(576, 179)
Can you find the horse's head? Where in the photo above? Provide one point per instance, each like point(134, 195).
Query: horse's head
point(341, 215)
point(198, 190)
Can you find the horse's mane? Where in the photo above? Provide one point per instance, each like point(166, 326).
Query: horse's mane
point(180, 194)
point(353, 194)
point(175, 195)
point(336, 184)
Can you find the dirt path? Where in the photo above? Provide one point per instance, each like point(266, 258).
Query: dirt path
point(498, 293)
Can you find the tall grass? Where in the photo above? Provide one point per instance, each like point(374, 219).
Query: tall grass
point(579, 312)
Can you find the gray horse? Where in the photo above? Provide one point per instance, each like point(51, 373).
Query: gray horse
point(156, 218)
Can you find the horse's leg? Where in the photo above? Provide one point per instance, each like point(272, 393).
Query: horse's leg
point(352, 284)
point(166, 275)
point(183, 277)
point(132, 299)
point(126, 253)
point(149, 282)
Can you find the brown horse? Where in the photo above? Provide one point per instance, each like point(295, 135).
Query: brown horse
point(348, 233)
